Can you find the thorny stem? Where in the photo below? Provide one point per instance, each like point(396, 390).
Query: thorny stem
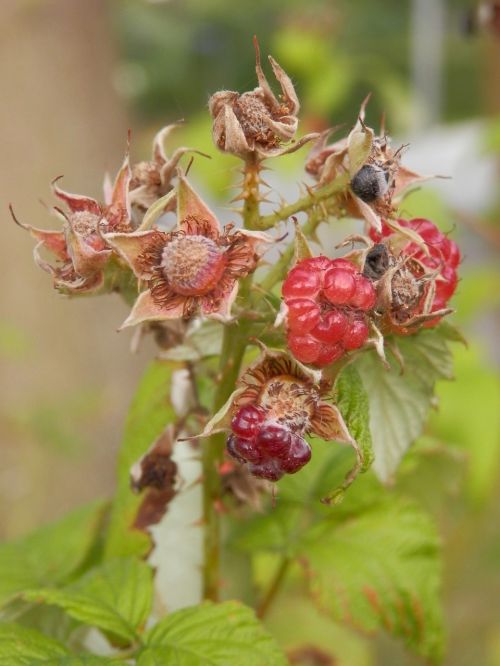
point(305, 203)
point(279, 269)
point(273, 588)
point(234, 343)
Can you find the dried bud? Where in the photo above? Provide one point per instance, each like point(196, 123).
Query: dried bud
point(79, 248)
point(152, 179)
point(257, 122)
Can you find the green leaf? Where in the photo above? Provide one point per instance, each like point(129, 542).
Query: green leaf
point(353, 404)
point(211, 635)
point(149, 414)
point(26, 647)
point(379, 569)
point(51, 554)
point(115, 597)
point(399, 401)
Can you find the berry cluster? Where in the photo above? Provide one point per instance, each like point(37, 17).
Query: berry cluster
point(269, 448)
point(327, 300)
point(444, 256)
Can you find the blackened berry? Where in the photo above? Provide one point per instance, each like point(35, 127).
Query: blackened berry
point(376, 262)
point(370, 183)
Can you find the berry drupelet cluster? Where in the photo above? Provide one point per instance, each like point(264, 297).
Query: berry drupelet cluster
point(327, 301)
point(270, 448)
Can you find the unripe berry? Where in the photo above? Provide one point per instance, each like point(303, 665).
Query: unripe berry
point(246, 422)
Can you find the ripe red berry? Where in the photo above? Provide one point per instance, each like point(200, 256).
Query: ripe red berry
point(303, 315)
point(344, 264)
point(246, 422)
point(302, 282)
point(273, 440)
point(329, 354)
point(364, 296)
point(298, 455)
point(356, 334)
point(339, 285)
point(305, 348)
point(331, 327)
point(320, 263)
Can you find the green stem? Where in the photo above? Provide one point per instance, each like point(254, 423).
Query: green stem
point(234, 343)
point(305, 203)
point(279, 269)
point(273, 588)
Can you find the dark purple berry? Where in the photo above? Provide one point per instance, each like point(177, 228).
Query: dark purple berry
point(269, 470)
point(244, 450)
point(273, 440)
point(298, 455)
point(246, 421)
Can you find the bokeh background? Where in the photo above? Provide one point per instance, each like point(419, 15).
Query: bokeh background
point(75, 75)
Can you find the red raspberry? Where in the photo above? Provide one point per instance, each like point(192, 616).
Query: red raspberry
point(356, 334)
point(299, 454)
point(339, 285)
point(343, 263)
point(329, 354)
point(303, 315)
point(302, 282)
point(320, 263)
point(273, 440)
point(331, 327)
point(305, 348)
point(246, 422)
point(364, 296)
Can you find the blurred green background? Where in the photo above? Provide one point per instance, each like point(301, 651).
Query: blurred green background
point(75, 75)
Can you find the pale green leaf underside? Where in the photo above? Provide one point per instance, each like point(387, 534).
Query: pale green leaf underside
point(116, 597)
point(211, 635)
point(400, 402)
point(380, 570)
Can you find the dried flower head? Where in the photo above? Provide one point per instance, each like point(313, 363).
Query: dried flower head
point(192, 270)
point(257, 122)
point(79, 248)
point(152, 179)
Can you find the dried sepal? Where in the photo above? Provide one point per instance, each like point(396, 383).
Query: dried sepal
point(257, 122)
